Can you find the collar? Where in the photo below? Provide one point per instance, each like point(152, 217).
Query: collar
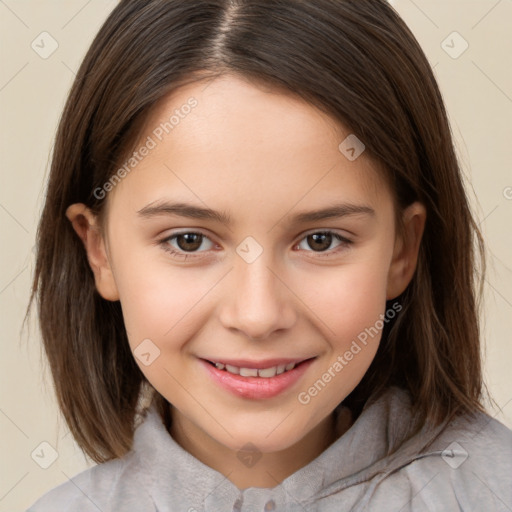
point(360, 453)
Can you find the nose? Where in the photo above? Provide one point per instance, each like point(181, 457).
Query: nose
point(256, 303)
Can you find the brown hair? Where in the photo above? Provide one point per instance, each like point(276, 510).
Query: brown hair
point(355, 60)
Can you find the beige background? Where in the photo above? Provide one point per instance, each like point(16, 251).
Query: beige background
point(477, 86)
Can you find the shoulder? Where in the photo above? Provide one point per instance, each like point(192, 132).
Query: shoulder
point(110, 486)
point(468, 467)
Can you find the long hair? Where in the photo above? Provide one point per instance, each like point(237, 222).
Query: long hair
point(357, 61)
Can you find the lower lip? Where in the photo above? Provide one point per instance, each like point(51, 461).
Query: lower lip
point(256, 387)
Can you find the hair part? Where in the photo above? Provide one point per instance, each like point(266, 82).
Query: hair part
point(355, 60)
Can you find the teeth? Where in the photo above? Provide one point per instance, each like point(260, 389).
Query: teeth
point(267, 372)
point(254, 372)
point(248, 372)
point(233, 369)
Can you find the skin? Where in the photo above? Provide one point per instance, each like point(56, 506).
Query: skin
point(261, 156)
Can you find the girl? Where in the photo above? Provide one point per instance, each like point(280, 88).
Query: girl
point(256, 269)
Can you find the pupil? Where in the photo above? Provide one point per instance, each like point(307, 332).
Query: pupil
point(320, 241)
point(189, 241)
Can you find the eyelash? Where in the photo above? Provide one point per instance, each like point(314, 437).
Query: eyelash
point(344, 243)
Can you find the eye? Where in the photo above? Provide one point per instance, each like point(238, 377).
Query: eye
point(186, 243)
point(322, 242)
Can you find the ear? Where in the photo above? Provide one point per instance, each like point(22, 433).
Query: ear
point(85, 224)
point(405, 254)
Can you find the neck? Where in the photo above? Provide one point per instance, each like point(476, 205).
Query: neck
point(254, 469)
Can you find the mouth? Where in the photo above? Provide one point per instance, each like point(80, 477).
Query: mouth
point(264, 369)
point(256, 379)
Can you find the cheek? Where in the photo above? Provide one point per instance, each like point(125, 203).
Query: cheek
point(162, 309)
point(349, 297)
point(349, 304)
point(158, 300)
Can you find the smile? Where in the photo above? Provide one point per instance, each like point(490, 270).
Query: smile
point(266, 373)
point(256, 380)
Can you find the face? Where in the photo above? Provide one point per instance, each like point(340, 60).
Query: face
point(245, 237)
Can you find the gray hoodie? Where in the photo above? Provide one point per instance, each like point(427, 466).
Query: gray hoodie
point(468, 467)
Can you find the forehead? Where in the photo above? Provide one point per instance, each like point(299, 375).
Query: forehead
point(247, 137)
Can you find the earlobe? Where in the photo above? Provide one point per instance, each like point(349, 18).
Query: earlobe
point(407, 246)
point(85, 224)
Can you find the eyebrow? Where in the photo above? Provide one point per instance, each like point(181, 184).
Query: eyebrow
point(183, 210)
point(332, 212)
point(195, 212)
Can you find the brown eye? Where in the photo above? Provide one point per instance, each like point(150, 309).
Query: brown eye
point(189, 241)
point(320, 241)
point(327, 242)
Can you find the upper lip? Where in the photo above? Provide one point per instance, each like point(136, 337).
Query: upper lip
point(248, 363)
